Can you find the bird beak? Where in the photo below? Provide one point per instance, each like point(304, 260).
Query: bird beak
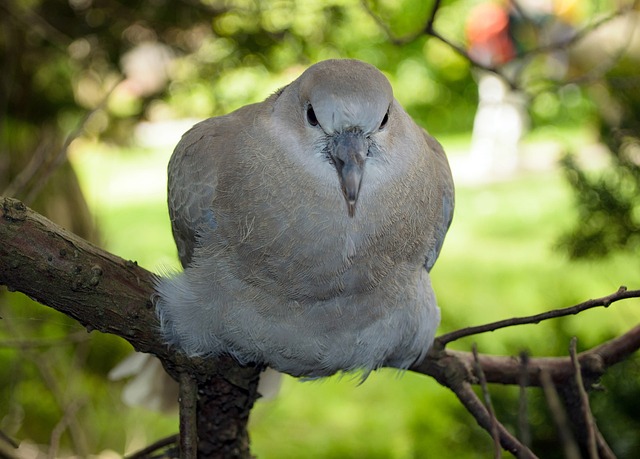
point(349, 153)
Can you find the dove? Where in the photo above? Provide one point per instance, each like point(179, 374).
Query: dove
point(307, 226)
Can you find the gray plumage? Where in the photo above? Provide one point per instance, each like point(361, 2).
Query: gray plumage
point(307, 226)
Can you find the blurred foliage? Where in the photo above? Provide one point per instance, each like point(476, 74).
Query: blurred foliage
point(218, 55)
point(607, 199)
point(122, 62)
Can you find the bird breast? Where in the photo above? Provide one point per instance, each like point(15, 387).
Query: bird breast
point(295, 238)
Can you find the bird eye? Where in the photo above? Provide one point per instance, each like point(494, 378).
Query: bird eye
point(311, 116)
point(383, 123)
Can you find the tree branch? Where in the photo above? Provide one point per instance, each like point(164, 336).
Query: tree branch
point(605, 301)
point(457, 370)
point(152, 449)
point(468, 398)
point(104, 292)
point(61, 270)
point(509, 370)
point(188, 417)
point(495, 434)
point(427, 30)
point(524, 427)
point(559, 416)
point(585, 409)
point(514, 82)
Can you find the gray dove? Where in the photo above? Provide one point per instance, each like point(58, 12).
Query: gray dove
point(307, 225)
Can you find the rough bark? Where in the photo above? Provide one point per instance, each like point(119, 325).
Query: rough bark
point(106, 293)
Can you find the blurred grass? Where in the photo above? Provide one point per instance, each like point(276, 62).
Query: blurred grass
point(499, 261)
point(126, 190)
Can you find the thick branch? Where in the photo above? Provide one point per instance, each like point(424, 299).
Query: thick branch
point(508, 370)
point(61, 270)
point(106, 293)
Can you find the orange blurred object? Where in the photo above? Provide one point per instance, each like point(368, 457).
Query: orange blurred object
point(487, 31)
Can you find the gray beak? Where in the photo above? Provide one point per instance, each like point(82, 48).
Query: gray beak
point(349, 153)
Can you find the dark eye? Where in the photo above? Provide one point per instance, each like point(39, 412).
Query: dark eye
point(384, 121)
point(311, 116)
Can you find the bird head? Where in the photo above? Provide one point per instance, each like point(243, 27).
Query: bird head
point(347, 103)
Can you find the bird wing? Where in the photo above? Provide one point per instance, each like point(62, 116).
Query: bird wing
point(192, 186)
point(444, 217)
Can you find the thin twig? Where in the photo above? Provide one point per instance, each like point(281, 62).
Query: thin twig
point(61, 157)
point(162, 443)
point(428, 30)
point(32, 21)
point(50, 380)
point(188, 416)
point(387, 30)
point(584, 401)
point(524, 427)
point(432, 17)
point(469, 399)
point(7, 439)
point(605, 301)
point(579, 34)
point(463, 53)
point(605, 65)
point(65, 422)
point(497, 449)
point(39, 163)
point(559, 416)
point(450, 371)
point(35, 343)
point(513, 82)
point(603, 447)
point(7, 452)
point(69, 409)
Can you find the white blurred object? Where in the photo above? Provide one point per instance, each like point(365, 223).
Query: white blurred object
point(269, 384)
point(146, 67)
point(152, 388)
point(500, 121)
